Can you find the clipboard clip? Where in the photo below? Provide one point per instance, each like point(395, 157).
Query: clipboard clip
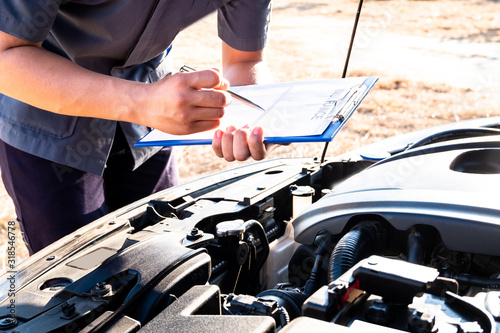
point(353, 99)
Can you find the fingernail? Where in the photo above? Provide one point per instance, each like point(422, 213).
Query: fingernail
point(257, 131)
point(218, 134)
point(224, 84)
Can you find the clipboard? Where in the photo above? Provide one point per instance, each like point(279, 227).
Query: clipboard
point(305, 111)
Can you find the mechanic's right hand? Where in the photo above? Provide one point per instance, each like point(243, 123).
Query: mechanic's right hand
point(186, 103)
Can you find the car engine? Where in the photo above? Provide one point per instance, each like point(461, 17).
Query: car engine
point(399, 236)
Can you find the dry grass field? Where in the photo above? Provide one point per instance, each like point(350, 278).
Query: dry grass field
point(438, 62)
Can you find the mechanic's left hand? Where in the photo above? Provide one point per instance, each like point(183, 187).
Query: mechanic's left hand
point(240, 144)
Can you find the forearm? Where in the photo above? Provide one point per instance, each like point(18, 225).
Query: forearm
point(243, 68)
point(178, 104)
point(245, 73)
point(53, 83)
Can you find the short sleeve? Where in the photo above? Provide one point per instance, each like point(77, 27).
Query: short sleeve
point(30, 20)
point(243, 24)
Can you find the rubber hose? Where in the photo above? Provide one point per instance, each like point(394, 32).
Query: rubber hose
point(416, 247)
point(284, 318)
point(261, 233)
point(471, 280)
point(355, 245)
point(290, 300)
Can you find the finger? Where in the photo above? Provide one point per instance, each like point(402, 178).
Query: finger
point(241, 150)
point(224, 85)
point(194, 127)
point(206, 79)
point(217, 143)
point(256, 145)
point(206, 97)
point(204, 125)
point(227, 144)
point(207, 113)
point(195, 119)
point(211, 98)
point(198, 89)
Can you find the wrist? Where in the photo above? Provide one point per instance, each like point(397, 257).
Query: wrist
point(133, 102)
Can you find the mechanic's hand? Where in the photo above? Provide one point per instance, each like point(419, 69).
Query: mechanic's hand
point(186, 103)
point(240, 144)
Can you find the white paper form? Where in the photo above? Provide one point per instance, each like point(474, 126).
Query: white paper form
point(293, 109)
point(299, 108)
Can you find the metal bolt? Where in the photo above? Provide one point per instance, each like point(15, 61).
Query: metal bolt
point(7, 323)
point(101, 289)
point(68, 309)
point(194, 234)
point(100, 285)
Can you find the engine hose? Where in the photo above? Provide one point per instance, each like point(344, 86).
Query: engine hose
point(477, 281)
point(416, 247)
point(261, 233)
point(290, 300)
point(284, 317)
point(321, 254)
point(355, 245)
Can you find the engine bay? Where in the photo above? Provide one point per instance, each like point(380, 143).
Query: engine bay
point(399, 236)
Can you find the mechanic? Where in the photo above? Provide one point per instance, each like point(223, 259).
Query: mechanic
point(83, 80)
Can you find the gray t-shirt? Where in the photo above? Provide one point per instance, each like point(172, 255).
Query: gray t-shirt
point(124, 38)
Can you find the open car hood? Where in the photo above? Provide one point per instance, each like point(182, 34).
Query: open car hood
point(399, 236)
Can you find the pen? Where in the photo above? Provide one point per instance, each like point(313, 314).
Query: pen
point(242, 99)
